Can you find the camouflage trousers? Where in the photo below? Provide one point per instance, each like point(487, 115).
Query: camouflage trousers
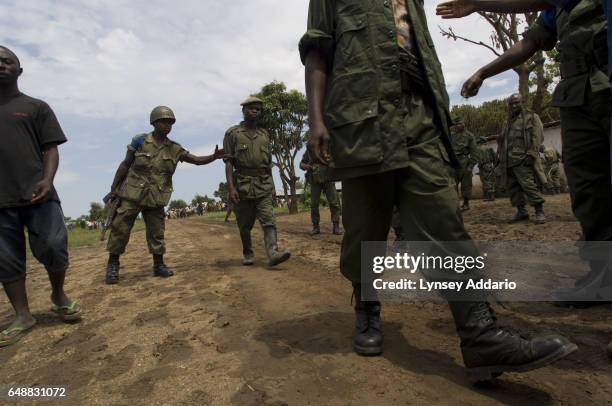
point(425, 195)
point(463, 177)
point(248, 210)
point(329, 188)
point(521, 186)
point(487, 177)
point(123, 222)
point(585, 132)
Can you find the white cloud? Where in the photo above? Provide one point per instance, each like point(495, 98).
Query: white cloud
point(66, 177)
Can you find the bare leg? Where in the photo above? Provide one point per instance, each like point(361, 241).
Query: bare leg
point(16, 292)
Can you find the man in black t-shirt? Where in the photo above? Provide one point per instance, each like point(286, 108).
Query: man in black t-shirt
point(28, 162)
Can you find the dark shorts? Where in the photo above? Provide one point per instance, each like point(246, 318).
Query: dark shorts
point(47, 236)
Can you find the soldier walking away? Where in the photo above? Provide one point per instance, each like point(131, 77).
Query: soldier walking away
point(487, 162)
point(464, 146)
point(248, 169)
point(29, 159)
point(518, 152)
point(144, 183)
point(316, 175)
point(375, 87)
point(579, 30)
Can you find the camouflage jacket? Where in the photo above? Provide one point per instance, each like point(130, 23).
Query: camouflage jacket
point(149, 179)
point(250, 153)
point(363, 97)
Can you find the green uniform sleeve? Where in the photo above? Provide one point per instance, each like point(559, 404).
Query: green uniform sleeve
point(228, 147)
point(181, 153)
point(545, 38)
point(320, 29)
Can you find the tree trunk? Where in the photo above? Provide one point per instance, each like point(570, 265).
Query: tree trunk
point(293, 202)
point(523, 75)
point(538, 97)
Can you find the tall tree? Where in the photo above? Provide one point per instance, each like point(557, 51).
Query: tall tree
point(506, 33)
point(96, 211)
point(285, 118)
point(177, 204)
point(201, 199)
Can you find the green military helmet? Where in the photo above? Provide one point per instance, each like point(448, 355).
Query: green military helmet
point(161, 112)
point(251, 100)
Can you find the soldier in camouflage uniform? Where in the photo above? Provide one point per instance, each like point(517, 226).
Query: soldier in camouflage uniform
point(316, 175)
point(144, 183)
point(464, 146)
point(487, 162)
point(518, 152)
point(248, 169)
point(552, 167)
point(377, 100)
point(579, 30)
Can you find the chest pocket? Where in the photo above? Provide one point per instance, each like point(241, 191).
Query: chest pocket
point(142, 161)
point(167, 164)
point(265, 154)
point(352, 41)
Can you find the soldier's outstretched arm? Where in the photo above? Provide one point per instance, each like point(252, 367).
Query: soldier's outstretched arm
point(463, 8)
point(516, 55)
point(316, 77)
point(205, 159)
point(122, 171)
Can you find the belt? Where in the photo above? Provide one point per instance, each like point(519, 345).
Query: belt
point(253, 171)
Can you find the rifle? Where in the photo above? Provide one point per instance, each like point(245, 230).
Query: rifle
point(112, 201)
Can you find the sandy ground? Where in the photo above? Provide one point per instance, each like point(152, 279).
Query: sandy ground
point(219, 333)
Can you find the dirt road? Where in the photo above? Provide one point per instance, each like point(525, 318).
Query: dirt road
point(219, 333)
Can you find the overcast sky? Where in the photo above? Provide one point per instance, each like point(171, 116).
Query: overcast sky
point(103, 65)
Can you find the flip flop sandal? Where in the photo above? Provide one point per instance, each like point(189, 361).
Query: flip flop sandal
point(11, 335)
point(71, 312)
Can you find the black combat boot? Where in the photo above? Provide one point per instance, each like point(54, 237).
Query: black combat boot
point(247, 249)
point(315, 229)
point(368, 338)
point(336, 228)
point(159, 268)
point(489, 197)
point(540, 218)
point(112, 270)
point(466, 204)
point(521, 214)
point(488, 350)
point(274, 256)
point(557, 191)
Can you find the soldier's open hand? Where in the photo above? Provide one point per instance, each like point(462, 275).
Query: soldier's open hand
point(455, 9)
point(318, 144)
point(41, 191)
point(218, 152)
point(472, 86)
